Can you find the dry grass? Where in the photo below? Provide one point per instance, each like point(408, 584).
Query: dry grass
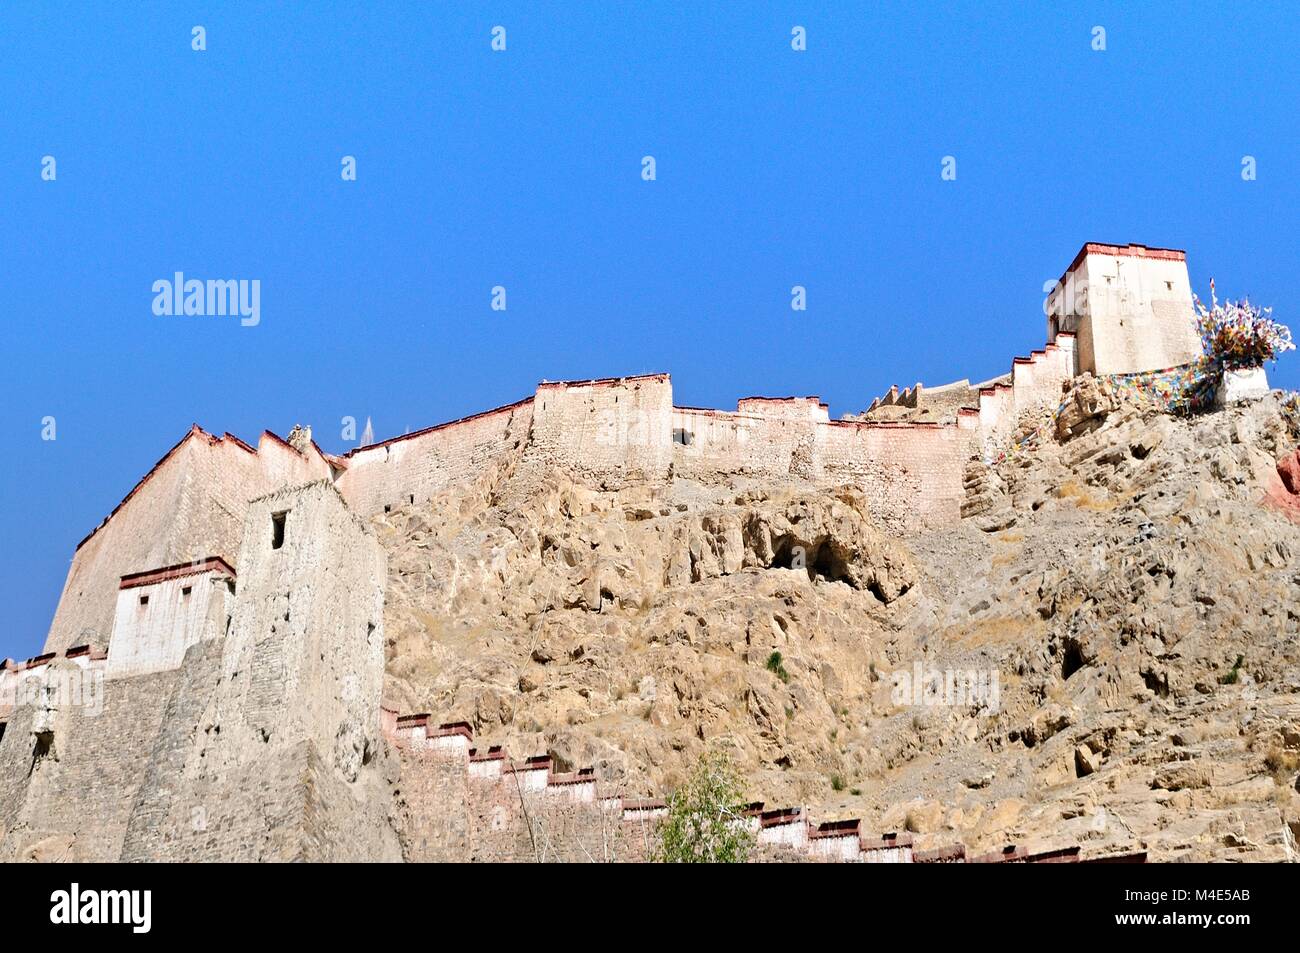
point(998, 630)
point(1084, 498)
point(1282, 763)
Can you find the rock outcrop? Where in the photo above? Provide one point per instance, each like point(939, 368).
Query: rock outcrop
point(1117, 581)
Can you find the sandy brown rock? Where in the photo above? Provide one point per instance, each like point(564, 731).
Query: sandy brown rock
point(1121, 580)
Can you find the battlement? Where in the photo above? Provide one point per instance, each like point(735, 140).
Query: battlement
point(22, 681)
point(472, 804)
point(906, 453)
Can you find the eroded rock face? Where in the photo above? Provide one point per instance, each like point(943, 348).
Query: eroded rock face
point(1086, 407)
point(1134, 601)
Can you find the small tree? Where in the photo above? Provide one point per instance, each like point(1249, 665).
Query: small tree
point(706, 823)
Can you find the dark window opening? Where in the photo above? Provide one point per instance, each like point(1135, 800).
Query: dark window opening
point(277, 529)
point(44, 745)
point(144, 600)
point(388, 508)
point(2, 731)
point(412, 498)
point(185, 592)
point(683, 436)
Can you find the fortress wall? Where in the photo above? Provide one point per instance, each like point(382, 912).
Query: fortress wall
point(139, 535)
point(1036, 382)
point(911, 473)
point(76, 802)
point(420, 465)
point(283, 764)
point(466, 804)
point(722, 443)
point(790, 408)
point(190, 506)
point(611, 428)
point(320, 593)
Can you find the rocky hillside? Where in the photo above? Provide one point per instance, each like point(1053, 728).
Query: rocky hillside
point(1119, 615)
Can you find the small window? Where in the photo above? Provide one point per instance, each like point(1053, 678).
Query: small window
point(683, 436)
point(144, 600)
point(41, 750)
point(277, 529)
point(185, 592)
point(388, 508)
point(412, 499)
point(1169, 286)
point(2, 730)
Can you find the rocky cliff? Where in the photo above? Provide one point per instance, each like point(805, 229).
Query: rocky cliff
point(1106, 651)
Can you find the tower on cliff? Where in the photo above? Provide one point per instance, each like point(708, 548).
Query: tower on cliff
point(1130, 307)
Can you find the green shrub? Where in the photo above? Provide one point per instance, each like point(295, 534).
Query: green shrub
point(775, 666)
point(706, 823)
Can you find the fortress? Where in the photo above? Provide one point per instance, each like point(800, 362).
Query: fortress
point(211, 682)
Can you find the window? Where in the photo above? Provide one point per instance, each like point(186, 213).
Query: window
point(683, 436)
point(185, 592)
point(144, 600)
point(277, 529)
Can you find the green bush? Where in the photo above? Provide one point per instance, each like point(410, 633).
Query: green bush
point(775, 666)
point(706, 822)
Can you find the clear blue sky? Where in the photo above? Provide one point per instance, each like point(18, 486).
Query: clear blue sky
point(523, 168)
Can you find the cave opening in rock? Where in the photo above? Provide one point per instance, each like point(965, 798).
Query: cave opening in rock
point(1071, 659)
point(820, 561)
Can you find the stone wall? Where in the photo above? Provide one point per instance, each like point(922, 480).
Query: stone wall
point(190, 506)
point(69, 772)
point(412, 468)
point(262, 744)
point(284, 761)
point(1036, 382)
point(462, 804)
point(613, 429)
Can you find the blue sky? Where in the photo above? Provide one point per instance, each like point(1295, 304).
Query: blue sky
point(522, 168)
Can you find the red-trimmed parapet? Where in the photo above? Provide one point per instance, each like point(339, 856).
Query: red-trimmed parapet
point(1062, 855)
point(1009, 854)
point(788, 827)
point(531, 774)
point(890, 848)
point(1136, 857)
point(837, 840)
point(87, 652)
point(83, 655)
point(149, 577)
point(783, 827)
point(646, 809)
point(486, 764)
